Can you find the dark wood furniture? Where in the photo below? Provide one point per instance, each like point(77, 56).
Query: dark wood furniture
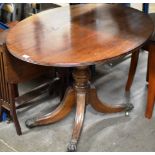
point(79, 36)
point(150, 78)
point(12, 72)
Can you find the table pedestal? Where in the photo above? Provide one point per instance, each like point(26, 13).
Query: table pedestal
point(80, 95)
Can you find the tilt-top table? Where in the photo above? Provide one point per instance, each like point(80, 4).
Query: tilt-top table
point(79, 36)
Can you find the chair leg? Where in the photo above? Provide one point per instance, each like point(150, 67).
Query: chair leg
point(12, 94)
point(0, 110)
point(150, 102)
point(132, 70)
point(147, 73)
point(151, 86)
point(15, 87)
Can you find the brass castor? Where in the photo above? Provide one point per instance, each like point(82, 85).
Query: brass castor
point(126, 113)
point(128, 109)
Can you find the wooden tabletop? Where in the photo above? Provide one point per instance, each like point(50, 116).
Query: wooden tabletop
point(79, 35)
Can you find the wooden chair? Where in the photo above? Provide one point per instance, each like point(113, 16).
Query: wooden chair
point(150, 78)
point(12, 72)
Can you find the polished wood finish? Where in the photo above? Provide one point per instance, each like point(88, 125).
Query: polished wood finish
point(81, 94)
point(103, 31)
point(63, 109)
point(133, 66)
point(10, 76)
point(79, 36)
point(132, 70)
point(150, 75)
point(151, 85)
point(79, 118)
point(103, 107)
point(150, 78)
point(13, 113)
point(13, 71)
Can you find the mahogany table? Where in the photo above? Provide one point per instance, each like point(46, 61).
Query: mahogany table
point(79, 36)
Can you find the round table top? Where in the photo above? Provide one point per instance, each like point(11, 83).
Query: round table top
point(79, 35)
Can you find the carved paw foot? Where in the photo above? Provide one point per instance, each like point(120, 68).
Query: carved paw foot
point(129, 107)
point(30, 123)
point(72, 147)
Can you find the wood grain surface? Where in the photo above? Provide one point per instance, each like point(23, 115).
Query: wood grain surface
point(79, 35)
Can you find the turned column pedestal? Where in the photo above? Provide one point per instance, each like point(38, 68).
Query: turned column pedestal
point(81, 94)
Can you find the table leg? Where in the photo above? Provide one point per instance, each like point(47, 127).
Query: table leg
point(0, 110)
point(59, 113)
point(81, 77)
point(151, 82)
point(85, 94)
point(81, 94)
point(106, 108)
point(132, 70)
point(79, 119)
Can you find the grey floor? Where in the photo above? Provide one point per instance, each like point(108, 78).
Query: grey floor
point(101, 132)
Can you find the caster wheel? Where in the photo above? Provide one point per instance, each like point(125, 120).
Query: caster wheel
point(127, 113)
point(72, 147)
point(128, 109)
